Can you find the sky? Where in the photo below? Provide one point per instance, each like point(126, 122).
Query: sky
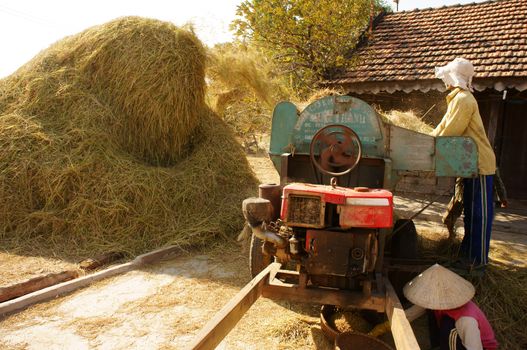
point(29, 26)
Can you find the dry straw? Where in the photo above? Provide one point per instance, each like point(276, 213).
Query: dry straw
point(236, 72)
point(406, 119)
point(106, 144)
point(502, 295)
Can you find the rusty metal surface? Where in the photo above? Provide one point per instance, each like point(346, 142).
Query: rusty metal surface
point(273, 193)
point(292, 132)
point(335, 150)
point(257, 210)
point(456, 156)
point(337, 253)
point(400, 148)
point(370, 172)
point(295, 292)
point(326, 311)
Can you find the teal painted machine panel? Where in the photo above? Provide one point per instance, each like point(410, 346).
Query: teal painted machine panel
point(292, 131)
point(456, 156)
point(406, 150)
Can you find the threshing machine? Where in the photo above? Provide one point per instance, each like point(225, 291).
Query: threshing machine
point(320, 236)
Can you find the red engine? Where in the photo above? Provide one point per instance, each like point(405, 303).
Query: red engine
point(319, 206)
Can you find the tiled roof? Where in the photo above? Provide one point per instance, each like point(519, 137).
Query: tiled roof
point(406, 46)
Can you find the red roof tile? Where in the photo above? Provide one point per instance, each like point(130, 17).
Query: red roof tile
point(409, 45)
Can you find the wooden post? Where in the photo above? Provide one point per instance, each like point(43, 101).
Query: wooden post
point(402, 332)
point(217, 328)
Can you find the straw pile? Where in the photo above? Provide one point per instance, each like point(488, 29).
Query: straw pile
point(237, 72)
point(243, 87)
point(407, 120)
point(106, 144)
point(502, 295)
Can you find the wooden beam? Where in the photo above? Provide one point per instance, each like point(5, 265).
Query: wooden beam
point(37, 283)
point(61, 288)
point(100, 260)
point(224, 321)
point(156, 255)
point(50, 292)
point(402, 332)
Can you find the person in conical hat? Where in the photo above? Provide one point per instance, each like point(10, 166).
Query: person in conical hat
point(458, 323)
point(462, 118)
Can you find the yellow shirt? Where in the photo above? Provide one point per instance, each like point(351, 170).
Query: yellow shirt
point(462, 119)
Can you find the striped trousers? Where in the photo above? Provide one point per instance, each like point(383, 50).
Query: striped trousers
point(478, 206)
point(444, 335)
point(450, 339)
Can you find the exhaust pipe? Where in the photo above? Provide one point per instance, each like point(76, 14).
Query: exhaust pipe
point(258, 211)
point(269, 236)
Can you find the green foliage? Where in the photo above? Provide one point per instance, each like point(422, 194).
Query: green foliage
point(310, 39)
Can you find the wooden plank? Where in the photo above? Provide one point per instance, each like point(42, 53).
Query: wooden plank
point(225, 320)
point(411, 150)
point(100, 260)
point(33, 284)
point(156, 255)
point(402, 332)
point(69, 286)
point(61, 288)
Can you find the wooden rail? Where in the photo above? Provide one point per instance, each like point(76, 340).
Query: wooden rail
point(36, 283)
point(218, 327)
point(402, 332)
point(265, 285)
point(53, 291)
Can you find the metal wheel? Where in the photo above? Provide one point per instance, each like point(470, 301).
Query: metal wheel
point(257, 259)
point(335, 150)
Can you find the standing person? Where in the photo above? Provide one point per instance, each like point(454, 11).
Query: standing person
point(455, 206)
point(462, 118)
point(456, 322)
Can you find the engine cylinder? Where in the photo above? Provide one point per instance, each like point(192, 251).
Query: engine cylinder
point(273, 193)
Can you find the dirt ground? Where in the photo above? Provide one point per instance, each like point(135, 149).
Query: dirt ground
point(165, 305)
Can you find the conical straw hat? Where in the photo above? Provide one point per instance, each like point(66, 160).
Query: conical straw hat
point(438, 288)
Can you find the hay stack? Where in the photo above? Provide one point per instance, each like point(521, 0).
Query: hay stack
point(106, 144)
point(148, 75)
point(406, 119)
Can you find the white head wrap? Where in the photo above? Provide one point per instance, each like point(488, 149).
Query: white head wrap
point(457, 73)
